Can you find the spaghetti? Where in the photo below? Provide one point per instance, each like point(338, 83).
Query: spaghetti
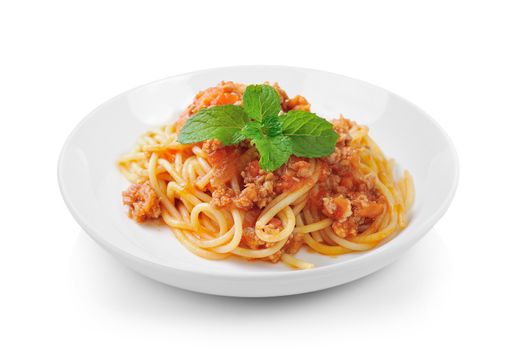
point(219, 203)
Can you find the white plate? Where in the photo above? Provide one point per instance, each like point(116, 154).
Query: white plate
point(91, 185)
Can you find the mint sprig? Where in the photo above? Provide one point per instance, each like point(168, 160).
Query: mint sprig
point(275, 136)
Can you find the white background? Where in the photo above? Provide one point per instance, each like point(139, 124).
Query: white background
point(60, 59)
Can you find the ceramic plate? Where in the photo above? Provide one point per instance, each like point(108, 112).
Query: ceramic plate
point(91, 184)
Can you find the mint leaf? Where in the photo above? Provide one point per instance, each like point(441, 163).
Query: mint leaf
point(272, 126)
point(223, 123)
point(311, 135)
point(274, 151)
point(252, 130)
point(261, 101)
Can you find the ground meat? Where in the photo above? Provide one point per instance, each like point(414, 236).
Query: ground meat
point(273, 227)
point(329, 206)
point(291, 174)
point(259, 187)
point(335, 157)
point(292, 246)
point(337, 208)
point(222, 196)
point(360, 211)
point(142, 201)
point(266, 191)
point(297, 103)
point(274, 258)
point(342, 127)
point(346, 228)
point(223, 94)
point(283, 96)
point(363, 206)
point(300, 168)
point(211, 146)
point(352, 212)
point(369, 181)
point(345, 156)
point(294, 243)
point(254, 194)
point(246, 199)
point(250, 239)
point(253, 173)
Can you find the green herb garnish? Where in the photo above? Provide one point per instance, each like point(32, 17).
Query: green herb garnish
point(275, 136)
